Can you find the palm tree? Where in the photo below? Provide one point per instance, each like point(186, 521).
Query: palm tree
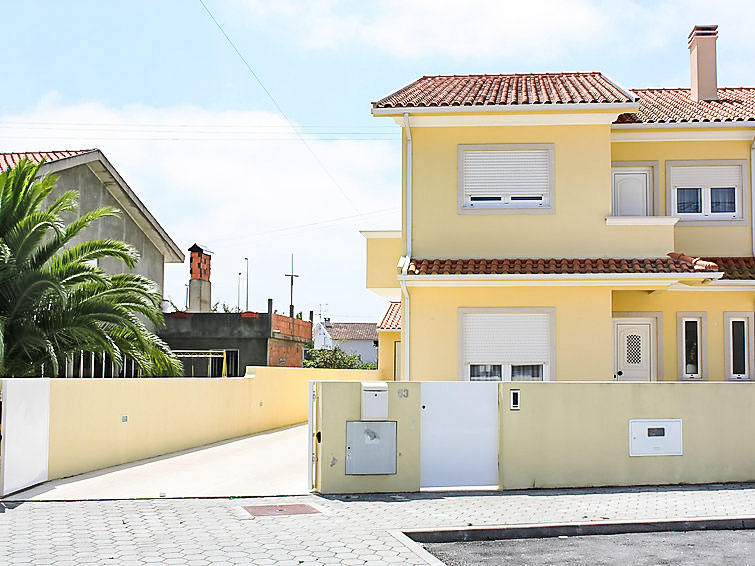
point(54, 301)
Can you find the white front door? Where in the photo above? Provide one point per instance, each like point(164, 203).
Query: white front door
point(634, 351)
point(631, 193)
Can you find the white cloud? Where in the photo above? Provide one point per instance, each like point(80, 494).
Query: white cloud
point(204, 180)
point(543, 32)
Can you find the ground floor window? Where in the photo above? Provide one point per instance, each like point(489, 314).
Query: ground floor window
point(691, 338)
point(738, 343)
point(506, 344)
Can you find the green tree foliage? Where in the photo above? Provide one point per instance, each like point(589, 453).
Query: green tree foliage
point(336, 359)
point(53, 300)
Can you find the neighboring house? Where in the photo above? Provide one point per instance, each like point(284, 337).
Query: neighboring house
point(561, 227)
point(389, 342)
point(353, 338)
point(204, 340)
point(98, 183)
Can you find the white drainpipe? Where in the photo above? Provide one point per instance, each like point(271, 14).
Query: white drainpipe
point(752, 194)
point(408, 255)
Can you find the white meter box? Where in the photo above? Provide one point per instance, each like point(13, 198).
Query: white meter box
point(655, 437)
point(370, 447)
point(374, 401)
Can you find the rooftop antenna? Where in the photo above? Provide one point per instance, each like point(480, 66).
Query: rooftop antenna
point(292, 275)
point(238, 293)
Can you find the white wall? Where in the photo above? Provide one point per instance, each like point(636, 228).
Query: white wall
point(365, 348)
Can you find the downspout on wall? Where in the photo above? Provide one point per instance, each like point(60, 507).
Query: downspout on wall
point(752, 194)
point(408, 255)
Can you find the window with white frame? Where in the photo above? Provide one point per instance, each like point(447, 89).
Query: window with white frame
point(707, 192)
point(507, 345)
point(738, 330)
point(514, 177)
point(691, 336)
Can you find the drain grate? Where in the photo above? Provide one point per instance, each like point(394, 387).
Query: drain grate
point(279, 510)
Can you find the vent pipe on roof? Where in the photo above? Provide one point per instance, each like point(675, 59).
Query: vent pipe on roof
point(702, 62)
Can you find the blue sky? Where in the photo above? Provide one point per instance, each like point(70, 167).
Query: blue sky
point(156, 86)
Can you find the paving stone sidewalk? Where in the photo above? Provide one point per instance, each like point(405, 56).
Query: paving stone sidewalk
point(348, 530)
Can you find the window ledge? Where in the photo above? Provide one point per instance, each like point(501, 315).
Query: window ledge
point(641, 220)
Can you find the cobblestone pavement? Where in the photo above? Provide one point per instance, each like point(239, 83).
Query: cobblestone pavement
point(348, 530)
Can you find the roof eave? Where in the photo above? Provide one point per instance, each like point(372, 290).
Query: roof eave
point(620, 107)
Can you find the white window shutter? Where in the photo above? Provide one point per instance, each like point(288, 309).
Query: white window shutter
point(506, 338)
point(706, 176)
point(506, 172)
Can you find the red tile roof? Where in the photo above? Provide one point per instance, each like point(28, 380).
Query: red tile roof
point(10, 160)
point(674, 105)
point(352, 330)
point(566, 266)
point(512, 89)
point(392, 317)
point(735, 268)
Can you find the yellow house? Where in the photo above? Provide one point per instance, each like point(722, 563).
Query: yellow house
point(561, 227)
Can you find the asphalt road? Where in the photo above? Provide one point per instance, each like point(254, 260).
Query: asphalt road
point(716, 548)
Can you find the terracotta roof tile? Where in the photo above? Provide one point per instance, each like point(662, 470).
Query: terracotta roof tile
point(392, 317)
point(352, 330)
point(735, 268)
point(672, 105)
point(10, 160)
point(511, 89)
point(534, 266)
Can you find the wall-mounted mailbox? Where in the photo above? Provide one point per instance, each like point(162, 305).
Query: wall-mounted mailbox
point(374, 401)
point(370, 448)
point(662, 437)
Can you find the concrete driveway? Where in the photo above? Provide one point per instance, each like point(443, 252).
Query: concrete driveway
point(270, 463)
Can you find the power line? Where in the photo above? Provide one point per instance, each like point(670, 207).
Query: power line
point(157, 125)
point(280, 110)
point(176, 138)
point(306, 226)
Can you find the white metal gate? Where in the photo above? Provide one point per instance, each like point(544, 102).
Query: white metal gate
point(459, 434)
point(25, 427)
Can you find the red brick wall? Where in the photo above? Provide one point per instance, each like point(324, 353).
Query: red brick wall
point(199, 266)
point(302, 328)
point(284, 353)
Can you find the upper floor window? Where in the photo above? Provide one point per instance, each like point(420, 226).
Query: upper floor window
point(706, 192)
point(516, 178)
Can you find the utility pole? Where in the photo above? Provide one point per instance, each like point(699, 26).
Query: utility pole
point(238, 293)
point(291, 306)
point(246, 259)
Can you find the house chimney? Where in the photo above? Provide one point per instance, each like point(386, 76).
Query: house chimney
point(702, 62)
point(200, 288)
point(328, 324)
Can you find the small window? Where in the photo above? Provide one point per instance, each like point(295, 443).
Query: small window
point(692, 348)
point(706, 192)
point(738, 330)
point(691, 344)
point(485, 372)
point(529, 372)
point(689, 201)
point(511, 176)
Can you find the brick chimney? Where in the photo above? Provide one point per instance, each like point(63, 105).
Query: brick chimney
point(702, 62)
point(200, 288)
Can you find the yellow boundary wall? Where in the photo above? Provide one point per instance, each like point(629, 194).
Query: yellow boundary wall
point(165, 415)
point(565, 434)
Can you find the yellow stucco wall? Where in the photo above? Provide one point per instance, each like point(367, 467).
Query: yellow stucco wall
point(735, 240)
point(341, 402)
point(582, 194)
point(383, 254)
point(714, 304)
point(386, 350)
point(167, 415)
point(583, 326)
point(577, 434)
point(565, 434)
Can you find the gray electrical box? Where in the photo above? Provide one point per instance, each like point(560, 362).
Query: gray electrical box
point(370, 447)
